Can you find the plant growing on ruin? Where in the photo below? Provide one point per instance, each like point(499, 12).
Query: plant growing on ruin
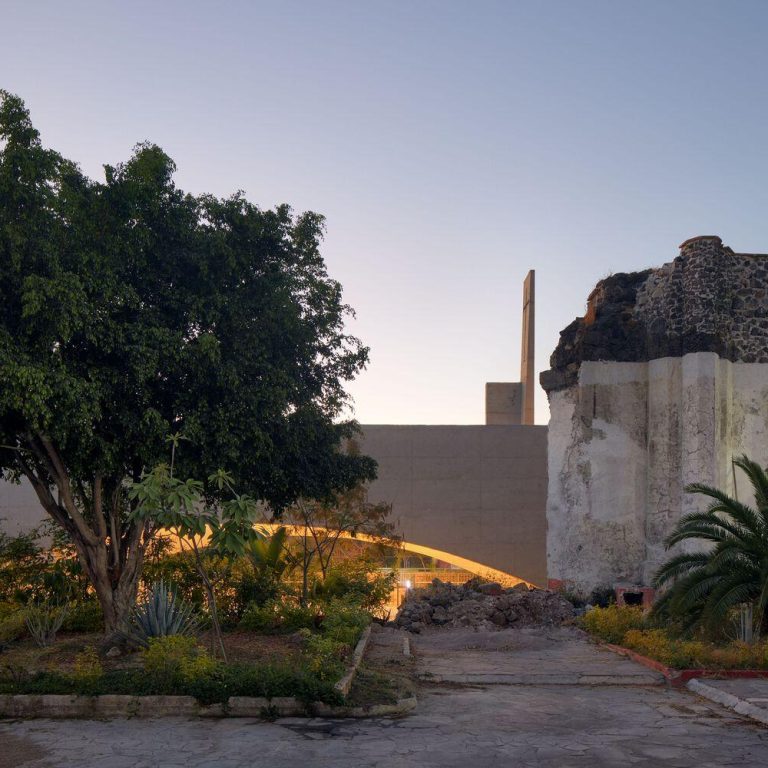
point(705, 586)
point(130, 310)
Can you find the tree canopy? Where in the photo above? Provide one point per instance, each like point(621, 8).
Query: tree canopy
point(130, 310)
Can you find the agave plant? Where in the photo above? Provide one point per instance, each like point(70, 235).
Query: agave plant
point(706, 586)
point(160, 614)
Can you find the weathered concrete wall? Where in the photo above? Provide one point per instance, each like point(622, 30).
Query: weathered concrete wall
point(475, 491)
point(625, 442)
point(661, 384)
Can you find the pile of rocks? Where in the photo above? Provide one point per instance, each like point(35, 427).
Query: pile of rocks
point(481, 604)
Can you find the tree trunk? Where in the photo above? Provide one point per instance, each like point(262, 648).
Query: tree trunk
point(112, 555)
point(116, 587)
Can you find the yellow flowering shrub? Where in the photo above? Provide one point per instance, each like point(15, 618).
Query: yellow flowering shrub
point(626, 626)
point(695, 654)
point(613, 622)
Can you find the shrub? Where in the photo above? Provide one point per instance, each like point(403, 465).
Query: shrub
point(611, 623)
point(163, 655)
point(268, 681)
point(87, 670)
point(325, 655)
point(44, 621)
point(694, 654)
point(279, 616)
point(13, 624)
point(345, 621)
point(357, 580)
point(83, 616)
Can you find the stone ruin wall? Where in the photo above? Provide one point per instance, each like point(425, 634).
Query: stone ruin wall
point(660, 384)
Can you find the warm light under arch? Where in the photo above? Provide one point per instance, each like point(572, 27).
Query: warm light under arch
point(479, 569)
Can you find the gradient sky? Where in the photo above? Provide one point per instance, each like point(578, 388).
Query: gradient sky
point(451, 145)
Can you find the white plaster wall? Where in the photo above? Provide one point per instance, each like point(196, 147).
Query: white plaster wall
point(596, 494)
point(624, 443)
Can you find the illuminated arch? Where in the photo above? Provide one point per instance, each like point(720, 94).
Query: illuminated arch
point(479, 569)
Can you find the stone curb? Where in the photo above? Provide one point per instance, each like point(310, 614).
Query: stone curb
point(344, 685)
point(56, 706)
point(728, 700)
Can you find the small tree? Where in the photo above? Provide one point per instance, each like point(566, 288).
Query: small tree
point(208, 532)
point(705, 586)
point(320, 526)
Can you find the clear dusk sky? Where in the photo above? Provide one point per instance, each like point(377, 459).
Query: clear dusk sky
point(452, 146)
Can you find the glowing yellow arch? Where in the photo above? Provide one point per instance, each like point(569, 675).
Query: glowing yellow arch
point(491, 574)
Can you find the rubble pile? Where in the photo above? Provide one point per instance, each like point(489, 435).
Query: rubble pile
point(481, 604)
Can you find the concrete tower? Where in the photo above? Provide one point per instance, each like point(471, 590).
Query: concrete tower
point(512, 402)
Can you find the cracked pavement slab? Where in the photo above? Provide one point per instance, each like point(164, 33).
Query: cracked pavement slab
point(536, 726)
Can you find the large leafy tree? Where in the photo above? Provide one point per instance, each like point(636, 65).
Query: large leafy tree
point(704, 586)
point(130, 311)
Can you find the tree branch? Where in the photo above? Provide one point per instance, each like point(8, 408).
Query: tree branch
point(62, 482)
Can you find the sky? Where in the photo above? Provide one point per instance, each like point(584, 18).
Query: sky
point(451, 145)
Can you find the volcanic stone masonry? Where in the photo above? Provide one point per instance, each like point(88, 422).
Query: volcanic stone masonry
point(660, 384)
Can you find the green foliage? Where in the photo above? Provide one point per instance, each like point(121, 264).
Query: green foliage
point(269, 681)
point(44, 621)
point(84, 616)
point(177, 568)
point(281, 616)
point(612, 623)
point(325, 655)
point(160, 614)
point(13, 623)
point(87, 670)
point(270, 562)
point(704, 587)
point(683, 653)
point(357, 580)
point(33, 573)
point(344, 621)
point(130, 310)
point(176, 657)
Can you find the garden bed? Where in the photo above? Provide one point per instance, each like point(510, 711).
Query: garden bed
point(627, 631)
point(131, 693)
point(679, 677)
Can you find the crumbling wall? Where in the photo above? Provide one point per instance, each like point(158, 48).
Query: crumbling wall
point(661, 384)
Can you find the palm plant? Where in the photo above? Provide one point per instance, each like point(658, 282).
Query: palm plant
point(268, 554)
point(706, 586)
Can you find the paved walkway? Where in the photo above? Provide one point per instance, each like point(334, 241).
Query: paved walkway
point(542, 725)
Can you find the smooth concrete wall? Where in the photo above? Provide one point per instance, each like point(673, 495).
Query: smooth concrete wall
point(475, 491)
point(20, 509)
point(478, 492)
point(623, 444)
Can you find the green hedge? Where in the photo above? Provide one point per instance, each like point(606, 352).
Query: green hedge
point(266, 681)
